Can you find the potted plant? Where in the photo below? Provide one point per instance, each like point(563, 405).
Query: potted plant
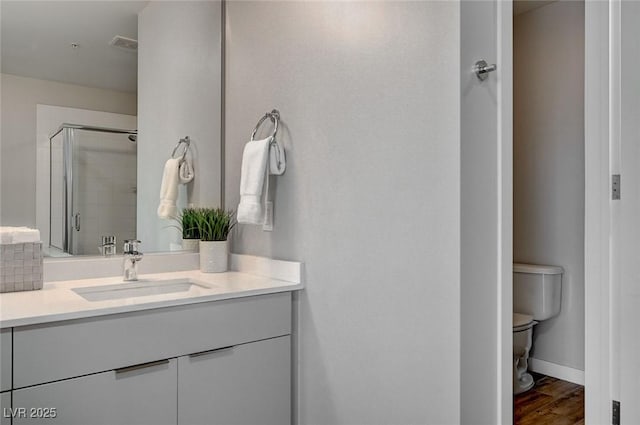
point(188, 226)
point(214, 225)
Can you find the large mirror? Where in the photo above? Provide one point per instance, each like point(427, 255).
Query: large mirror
point(95, 97)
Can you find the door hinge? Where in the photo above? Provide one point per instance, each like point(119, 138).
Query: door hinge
point(615, 187)
point(615, 413)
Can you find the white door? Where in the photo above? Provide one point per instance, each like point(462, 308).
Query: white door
point(626, 217)
point(486, 213)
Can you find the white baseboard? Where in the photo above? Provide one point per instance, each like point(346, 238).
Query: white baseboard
point(565, 373)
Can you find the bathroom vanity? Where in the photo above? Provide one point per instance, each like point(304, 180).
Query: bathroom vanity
point(217, 353)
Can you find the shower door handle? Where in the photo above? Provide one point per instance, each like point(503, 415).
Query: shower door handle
point(76, 222)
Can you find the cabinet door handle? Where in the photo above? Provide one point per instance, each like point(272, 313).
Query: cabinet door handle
point(215, 350)
point(141, 366)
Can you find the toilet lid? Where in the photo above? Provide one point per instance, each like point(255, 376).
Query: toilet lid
point(521, 320)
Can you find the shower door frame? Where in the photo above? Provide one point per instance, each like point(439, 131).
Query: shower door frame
point(67, 146)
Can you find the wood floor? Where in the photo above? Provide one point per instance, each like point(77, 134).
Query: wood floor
point(550, 402)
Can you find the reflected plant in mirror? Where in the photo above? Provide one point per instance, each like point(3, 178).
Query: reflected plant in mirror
point(189, 227)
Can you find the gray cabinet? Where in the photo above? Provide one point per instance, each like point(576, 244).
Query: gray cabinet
point(248, 384)
point(228, 363)
point(46, 353)
point(138, 395)
point(5, 359)
point(5, 408)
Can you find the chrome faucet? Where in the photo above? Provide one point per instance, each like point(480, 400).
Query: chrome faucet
point(131, 258)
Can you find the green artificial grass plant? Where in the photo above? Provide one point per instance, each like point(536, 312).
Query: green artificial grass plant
point(213, 224)
point(189, 224)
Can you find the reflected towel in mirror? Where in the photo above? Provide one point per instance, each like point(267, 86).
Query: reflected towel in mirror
point(13, 235)
point(169, 189)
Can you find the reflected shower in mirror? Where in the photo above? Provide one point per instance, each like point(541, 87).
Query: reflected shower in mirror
point(113, 64)
point(93, 189)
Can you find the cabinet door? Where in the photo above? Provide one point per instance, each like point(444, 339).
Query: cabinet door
point(5, 359)
point(5, 408)
point(248, 384)
point(144, 394)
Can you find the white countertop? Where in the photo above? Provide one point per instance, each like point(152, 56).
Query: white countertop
point(56, 301)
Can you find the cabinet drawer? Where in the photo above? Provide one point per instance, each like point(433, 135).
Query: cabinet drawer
point(46, 353)
point(244, 385)
point(5, 359)
point(135, 397)
point(5, 406)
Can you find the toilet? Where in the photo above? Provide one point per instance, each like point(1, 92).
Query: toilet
point(537, 292)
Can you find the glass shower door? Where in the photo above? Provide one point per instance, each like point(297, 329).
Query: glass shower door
point(104, 170)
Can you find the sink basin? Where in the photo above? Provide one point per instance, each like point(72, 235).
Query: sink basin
point(139, 288)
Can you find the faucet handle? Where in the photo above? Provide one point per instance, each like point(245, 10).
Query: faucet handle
point(131, 246)
point(107, 240)
point(107, 245)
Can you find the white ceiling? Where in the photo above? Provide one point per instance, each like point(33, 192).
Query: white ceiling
point(37, 37)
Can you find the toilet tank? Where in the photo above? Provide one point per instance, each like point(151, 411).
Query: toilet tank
point(537, 290)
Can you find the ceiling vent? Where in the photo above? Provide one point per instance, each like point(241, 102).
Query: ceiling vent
point(124, 43)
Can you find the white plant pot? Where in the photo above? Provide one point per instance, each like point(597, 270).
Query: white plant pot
point(190, 245)
point(214, 256)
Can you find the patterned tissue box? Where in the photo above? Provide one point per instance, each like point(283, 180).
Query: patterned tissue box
point(20, 267)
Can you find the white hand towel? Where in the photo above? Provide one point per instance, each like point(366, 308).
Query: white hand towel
point(252, 180)
point(169, 189)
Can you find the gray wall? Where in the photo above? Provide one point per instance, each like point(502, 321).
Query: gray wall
point(18, 140)
point(179, 88)
point(549, 165)
point(369, 96)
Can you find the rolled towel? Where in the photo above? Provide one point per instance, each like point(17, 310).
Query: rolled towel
point(252, 178)
point(26, 235)
point(6, 234)
point(9, 235)
point(186, 172)
point(277, 160)
point(169, 189)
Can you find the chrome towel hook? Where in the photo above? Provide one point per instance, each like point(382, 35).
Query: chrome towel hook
point(187, 143)
point(275, 118)
point(482, 69)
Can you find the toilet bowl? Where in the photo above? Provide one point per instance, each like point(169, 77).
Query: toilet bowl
point(537, 292)
point(522, 333)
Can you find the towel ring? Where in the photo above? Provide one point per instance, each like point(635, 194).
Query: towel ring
point(275, 118)
point(187, 143)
